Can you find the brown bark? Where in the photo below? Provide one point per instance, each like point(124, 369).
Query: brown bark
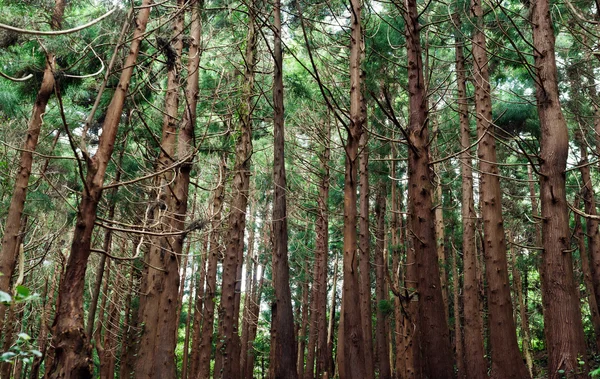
point(562, 315)
point(302, 331)
point(397, 245)
point(109, 345)
point(474, 352)
point(228, 349)
point(106, 246)
point(591, 223)
point(383, 359)
point(587, 278)
point(423, 273)
point(130, 329)
point(364, 257)
point(317, 340)
point(329, 371)
point(254, 309)
point(283, 350)
point(459, 346)
point(188, 319)
point(251, 266)
point(506, 358)
point(72, 351)
point(160, 278)
point(351, 343)
point(518, 287)
point(202, 339)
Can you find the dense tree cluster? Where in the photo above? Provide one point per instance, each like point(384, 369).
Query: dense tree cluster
point(299, 189)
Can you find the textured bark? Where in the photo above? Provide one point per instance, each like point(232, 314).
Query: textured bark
point(283, 350)
point(591, 223)
point(188, 318)
point(364, 257)
point(397, 246)
point(351, 343)
point(587, 278)
point(383, 354)
point(506, 358)
point(474, 352)
point(202, 342)
point(329, 371)
point(251, 267)
point(318, 328)
point(459, 346)
point(106, 246)
point(109, 345)
point(254, 310)
point(72, 349)
point(423, 273)
point(562, 315)
point(160, 278)
point(526, 336)
point(302, 330)
point(130, 329)
point(228, 349)
point(10, 247)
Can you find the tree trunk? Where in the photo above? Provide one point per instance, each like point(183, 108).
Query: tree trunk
point(562, 315)
point(254, 311)
point(474, 352)
point(228, 342)
point(130, 329)
point(72, 349)
point(318, 315)
point(423, 273)
point(283, 350)
point(188, 319)
point(352, 362)
point(383, 353)
point(202, 343)
point(506, 358)
point(10, 247)
point(329, 371)
point(160, 278)
point(303, 326)
point(364, 258)
point(251, 266)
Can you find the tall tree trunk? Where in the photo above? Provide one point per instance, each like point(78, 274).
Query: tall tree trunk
point(130, 329)
point(228, 342)
point(383, 354)
point(562, 315)
point(474, 352)
point(283, 350)
point(329, 371)
point(202, 341)
point(518, 287)
point(106, 246)
point(364, 257)
point(251, 266)
point(72, 349)
point(459, 346)
point(397, 242)
point(322, 252)
point(351, 343)
point(9, 250)
point(254, 311)
point(506, 358)
point(161, 272)
point(188, 318)
point(303, 326)
point(423, 273)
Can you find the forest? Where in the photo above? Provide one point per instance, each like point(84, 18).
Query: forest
point(299, 189)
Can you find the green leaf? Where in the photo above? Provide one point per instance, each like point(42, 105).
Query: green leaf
point(24, 336)
point(7, 356)
point(23, 291)
point(35, 352)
